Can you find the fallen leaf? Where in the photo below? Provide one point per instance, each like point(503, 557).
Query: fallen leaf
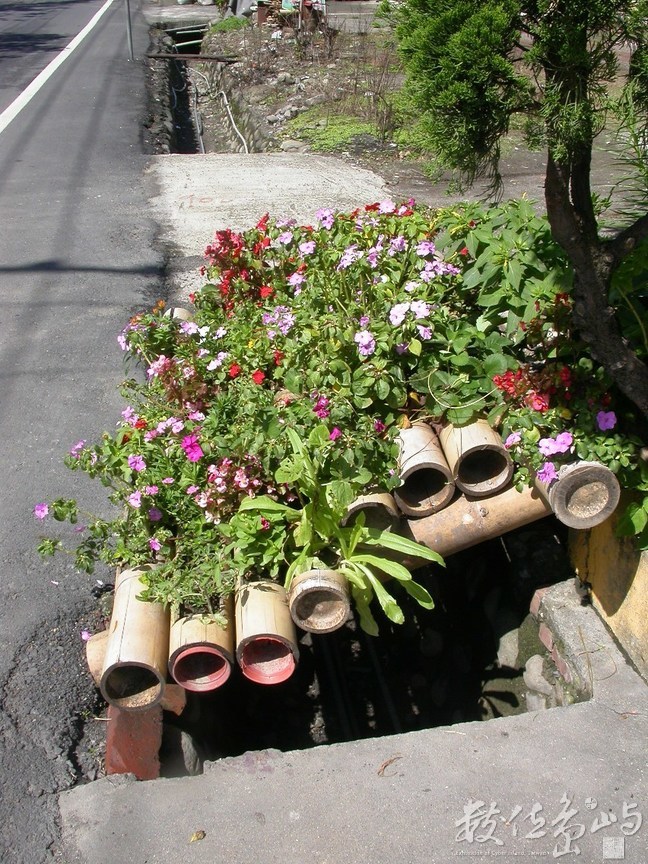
point(197, 835)
point(386, 764)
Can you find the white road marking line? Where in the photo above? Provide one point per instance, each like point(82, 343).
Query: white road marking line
point(32, 89)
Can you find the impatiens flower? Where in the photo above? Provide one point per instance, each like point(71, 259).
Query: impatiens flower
point(606, 420)
point(151, 490)
point(285, 238)
point(379, 426)
point(386, 206)
point(168, 481)
point(137, 463)
point(320, 409)
point(154, 544)
point(265, 525)
point(397, 313)
point(196, 415)
point(191, 490)
point(425, 247)
point(547, 473)
point(335, 433)
point(365, 342)
point(129, 415)
point(410, 286)
point(135, 499)
point(308, 247)
point(266, 291)
point(325, 217)
point(551, 446)
point(419, 308)
point(74, 451)
point(513, 439)
point(41, 510)
point(154, 514)
point(258, 376)
point(465, 251)
point(424, 332)
point(402, 347)
point(86, 635)
point(220, 333)
point(189, 327)
point(193, 450)
point(538, 401)
point(397, 244)
point(234, 370)
point(218, 361)
point(349, 256)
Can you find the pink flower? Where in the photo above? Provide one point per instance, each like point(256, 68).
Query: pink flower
point(154, 544)
point(151, 490)
point(265, 525)
point(86, 635)
point(137, 463)
point(366, 342)
point(191, 490)
point(386, 206)
point(77, 448)
point(547, 473)
point(154, 514)
point(135, 500)
point(335, 433)
point(193, 450)
point(606, 420)
point(513, 439)
point(379, 427)
point(40, 511)
point(168, 481)
point(307, 248)
point(551, 446)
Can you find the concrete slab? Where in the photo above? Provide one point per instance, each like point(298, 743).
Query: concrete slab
point(199, 194)
point(560, 783)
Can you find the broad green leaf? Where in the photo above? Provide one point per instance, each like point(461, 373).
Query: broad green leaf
point(392, 568)
point(374, 537)
point(415, 347)
point(367, 620)
point(419, 593)
point(387, 603)
point(268, 505)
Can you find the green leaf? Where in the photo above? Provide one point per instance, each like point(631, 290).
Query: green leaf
point(495, 364)
point(266, 504)
point(392, 568)
point(382, 389)
point(367, 620)
point(374, 537)
point(419, 593)
point(415, 347)
point(387, 603)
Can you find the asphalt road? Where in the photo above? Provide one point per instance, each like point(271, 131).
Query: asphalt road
point(76, 260)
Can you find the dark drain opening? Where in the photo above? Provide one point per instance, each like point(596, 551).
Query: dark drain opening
point(448, 665)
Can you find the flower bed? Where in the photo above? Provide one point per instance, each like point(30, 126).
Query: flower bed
point(274, 404)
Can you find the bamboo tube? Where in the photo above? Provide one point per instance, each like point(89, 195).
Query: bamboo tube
point(137, 648)
point(266, 647)
point(178, 313)
point(426, 480)
point(319, 600)
point(379, 508)
point(479, 463)
point(584, 495)
point(467, 522)
point(201, 651)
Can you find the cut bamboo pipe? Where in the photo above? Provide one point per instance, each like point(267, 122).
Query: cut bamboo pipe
point(426, 480)
point(266, 639)
point(479, 463)
point(584, 495)
point(201, 651)
point(137, 647)
point(379, 508)
point(467, 522)
point(319, 600)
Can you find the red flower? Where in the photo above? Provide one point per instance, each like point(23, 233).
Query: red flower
point(266, 291)
point(258, 376)
point(140, 424)
point(464, 251)
point(371, 207)
point(262, 224)
point(278, 357)
point(538, 401)
point(234, 370)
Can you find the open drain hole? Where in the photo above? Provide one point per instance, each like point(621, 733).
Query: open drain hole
point(462, 661)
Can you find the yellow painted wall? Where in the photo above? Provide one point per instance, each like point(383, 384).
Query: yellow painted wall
point(618, 575)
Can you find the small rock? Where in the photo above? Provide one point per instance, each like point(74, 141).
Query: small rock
point(533, 677)
point(535, 701)
point(289, 146)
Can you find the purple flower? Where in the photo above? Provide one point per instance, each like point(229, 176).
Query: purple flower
point(349, 256)
point(420, 308)
point(296, 280)
point(402, 347)
point(386, 206)
point(364, 321)
point(154, 514)
point(189, 327)
point(547, 473)
point(425, 247)
point(410, 286)
point(397, 244)
point(366, 342)
point(74, 451)
point(606, 420)
point(154, 544)
point(307, 247)
point(86, 635)
point(41, 510)
point(285, 238)
point(379, 427)
point(168, 481)
point(397, 313)
point(335, 433)
point(137, 463)
point(191, 490)
point(151, 490)
point(513, 439)
point(325, 217)
point(551, 446)
point(135, 499)
point(218, 361)
point(424, 332)
point(129, 416)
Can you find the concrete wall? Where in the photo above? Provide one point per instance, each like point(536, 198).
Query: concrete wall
point(618, 575)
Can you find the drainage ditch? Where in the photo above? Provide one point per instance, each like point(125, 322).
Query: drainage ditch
point(462, 661)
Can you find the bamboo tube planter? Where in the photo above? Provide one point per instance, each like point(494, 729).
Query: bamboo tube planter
point(319, 600)
point(379, 508)
point(466, 521)
point(266, 638)
point(137, 647)
point(479, 463)
point(201, 651)
point(426, 480)
point(584, 495)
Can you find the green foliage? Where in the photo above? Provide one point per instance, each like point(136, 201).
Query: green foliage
point(330, 133)
point(227, 25)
